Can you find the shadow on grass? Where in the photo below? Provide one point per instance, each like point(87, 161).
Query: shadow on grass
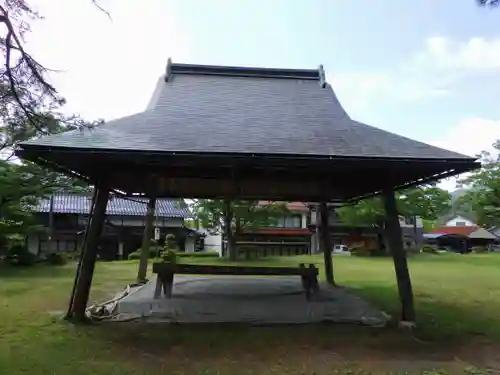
point(436, 319)
point(444, 332)
point(236, 340)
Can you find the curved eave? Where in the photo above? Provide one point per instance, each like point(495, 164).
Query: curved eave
point(29, 150)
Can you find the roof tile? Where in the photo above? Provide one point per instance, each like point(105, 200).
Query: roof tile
point(80, 204)
point(229, 112)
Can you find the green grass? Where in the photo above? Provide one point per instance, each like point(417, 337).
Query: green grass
point(457, 300)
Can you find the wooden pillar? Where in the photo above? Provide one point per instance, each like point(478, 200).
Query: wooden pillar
point(395, 242)
point(228, 219)
point(325, 242)
point(146, 241)
point(90, 254)
point(120, 249)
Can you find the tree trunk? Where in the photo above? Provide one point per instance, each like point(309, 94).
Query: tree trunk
point(89, 254)
point(395, 241)
point(228, 219)
point(146, 241)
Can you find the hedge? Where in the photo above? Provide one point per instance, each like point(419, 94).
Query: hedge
point(479, 249)
point(430, 249)
point(200, 254)
point(153, 253)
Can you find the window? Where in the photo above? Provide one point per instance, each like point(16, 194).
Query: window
point(460, 223)
point(409, 220)
point(292, 221)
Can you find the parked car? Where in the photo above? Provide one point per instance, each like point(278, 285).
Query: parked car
point(339, 248)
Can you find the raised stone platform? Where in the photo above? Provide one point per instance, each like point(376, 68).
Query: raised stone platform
point(253, 300)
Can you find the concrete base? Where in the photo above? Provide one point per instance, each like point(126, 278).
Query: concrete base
point(254, 300)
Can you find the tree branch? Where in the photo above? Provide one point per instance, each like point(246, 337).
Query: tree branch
point(102, 9)
point(33, 66)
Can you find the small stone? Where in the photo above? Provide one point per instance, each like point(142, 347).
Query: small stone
point(403, 324)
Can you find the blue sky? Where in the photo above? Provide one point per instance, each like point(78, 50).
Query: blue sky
point(427, 69)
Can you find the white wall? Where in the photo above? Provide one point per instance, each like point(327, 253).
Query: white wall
point(32, 242)
point(213, 242)
point(138, 221)
point(304, 220)
point(189, 245)
point(402, 222)
point(459, 220)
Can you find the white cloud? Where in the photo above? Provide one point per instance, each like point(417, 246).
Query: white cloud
point(428, 74)
point(475, 54)
point(359, 90)
point(469, 137)
point(108, 68)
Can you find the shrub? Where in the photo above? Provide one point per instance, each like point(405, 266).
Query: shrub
point(201, 254)
point(430, 249)
point(72, 255)
point(414, 250)
point(19, 255)
point(153, 253)
point(479, 249)
point(57, 259)
point(361, 252)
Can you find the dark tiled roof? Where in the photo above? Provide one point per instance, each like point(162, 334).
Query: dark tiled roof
point(79, 204)
point(245, 110)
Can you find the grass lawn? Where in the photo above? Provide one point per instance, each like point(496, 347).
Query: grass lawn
point(457, 300)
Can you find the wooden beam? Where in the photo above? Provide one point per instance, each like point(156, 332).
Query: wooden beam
point(325, 241)
point(146, 241)
point(90, 254)
point(395, 242)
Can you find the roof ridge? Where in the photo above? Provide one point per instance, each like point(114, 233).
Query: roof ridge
point(242, 71)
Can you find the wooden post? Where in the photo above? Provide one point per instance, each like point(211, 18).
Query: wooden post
point(69, 312)
point(395, 242)
point(51, 224)
point(146, 241)
point(90, 254)
point(324, 242)
point(228, 219)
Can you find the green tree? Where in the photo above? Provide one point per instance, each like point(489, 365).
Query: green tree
point(29, 108)
point(23, 183)
point(483, 194)
point(234, 217)
point(427, 202)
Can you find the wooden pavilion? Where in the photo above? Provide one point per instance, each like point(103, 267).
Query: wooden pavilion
point(246, 133)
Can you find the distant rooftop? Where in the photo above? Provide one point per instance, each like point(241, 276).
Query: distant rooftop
point(80, 204)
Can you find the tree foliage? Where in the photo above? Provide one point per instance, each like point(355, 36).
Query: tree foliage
point(246, 214)
point(427, 202)
point(29, 108)
point(242, 215)
point(483, 195)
